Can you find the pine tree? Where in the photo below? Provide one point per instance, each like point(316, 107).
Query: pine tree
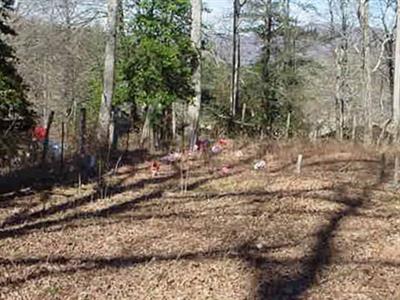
point(15, 110)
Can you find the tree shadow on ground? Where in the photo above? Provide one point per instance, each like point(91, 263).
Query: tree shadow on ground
point(285, 287)
point(115, 209)
point(293, 286)
point(265, 196)
point(33, 179)
point(272, 280)
point(288, 288)
point(24, 216)
point(68, 265)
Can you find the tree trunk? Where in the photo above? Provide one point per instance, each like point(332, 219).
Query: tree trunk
point(288, 124)
point(46, 139)
point(342, 67)
point(288, 46)
point(243, 113)
point(363, 14)
point(390, 62)
point(68, 80)
point(194, 108)
point(235, 93)
point(173, 125)
point(62, 146)
point(109, 74)
point(113, 132)
point(354, 129)
point(339, 101)
point(396, 90)
point(82, 132)
point(266, 59)
point(147, 138)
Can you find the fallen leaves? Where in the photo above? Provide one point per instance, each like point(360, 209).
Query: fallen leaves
point(236, 234)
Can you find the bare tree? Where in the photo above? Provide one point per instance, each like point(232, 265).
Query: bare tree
point(235, 90)
point(109, 73)
point(387, 41)
point(363, 16)
point(58, 45)
point(396, 91)
point(341, 63)
point(80, 12)
point(194, 108)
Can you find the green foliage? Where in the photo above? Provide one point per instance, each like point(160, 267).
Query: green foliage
point(15, 110)
point(278, 86)
point(215, 90)
point(159, 59)
point(96, 90)
point(96, 82)
point(272, 87)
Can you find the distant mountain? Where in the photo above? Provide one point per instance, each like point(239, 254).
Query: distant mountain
point(250, 47)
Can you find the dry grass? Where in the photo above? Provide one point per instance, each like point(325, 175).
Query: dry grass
point(331, 233)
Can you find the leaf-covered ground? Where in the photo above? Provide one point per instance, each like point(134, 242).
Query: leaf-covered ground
point(332, 232)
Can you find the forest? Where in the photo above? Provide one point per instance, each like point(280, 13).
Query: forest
point(190, 149)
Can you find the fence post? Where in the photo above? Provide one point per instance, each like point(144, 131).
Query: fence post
point(396, 170)
point(62, 146)
point(82, 131)
point(46, 139)
point(383, 166)
point(299, 163)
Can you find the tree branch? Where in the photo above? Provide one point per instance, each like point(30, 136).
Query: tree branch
point(378, 64)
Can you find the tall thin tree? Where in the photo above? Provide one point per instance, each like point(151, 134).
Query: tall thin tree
point(109, 73)
point(235, 85)
point(396, 91)
point(363, 16)
point(194, 107)
point(341, 63)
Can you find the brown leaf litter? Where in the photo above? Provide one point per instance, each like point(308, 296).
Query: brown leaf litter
point(330, 233)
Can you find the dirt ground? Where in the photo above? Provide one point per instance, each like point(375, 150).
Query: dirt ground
point(332, 232)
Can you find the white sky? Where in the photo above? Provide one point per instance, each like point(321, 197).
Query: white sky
point(222, 9)
point(219, 9)
point(219, 6)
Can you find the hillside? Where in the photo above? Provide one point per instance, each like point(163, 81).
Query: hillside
point(329, 233)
